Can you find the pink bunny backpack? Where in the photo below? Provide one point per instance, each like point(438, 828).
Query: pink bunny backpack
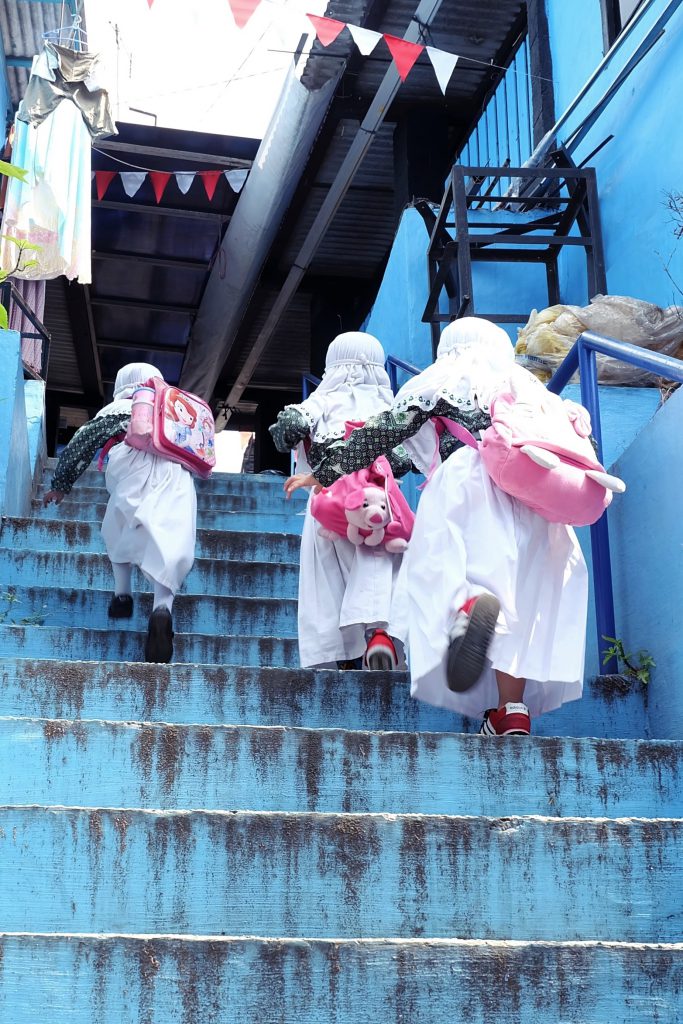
point(538, 450)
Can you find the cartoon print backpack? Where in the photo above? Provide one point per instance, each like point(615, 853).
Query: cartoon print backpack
point(537, 450)
point(173, 424)
point(351, 507)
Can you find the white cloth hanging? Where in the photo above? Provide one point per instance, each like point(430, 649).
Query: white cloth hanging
point(52, 207)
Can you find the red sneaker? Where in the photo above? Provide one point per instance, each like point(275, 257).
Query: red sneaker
point(510, 720)
point(380, 654)
point(470, 631)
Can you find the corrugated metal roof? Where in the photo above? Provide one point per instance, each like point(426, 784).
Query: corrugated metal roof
point(22, 26)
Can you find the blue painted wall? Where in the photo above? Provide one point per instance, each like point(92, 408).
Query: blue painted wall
point(15, 472)
point(641, 164)
point(5, 101)
point(647, 553)
point(34, 396)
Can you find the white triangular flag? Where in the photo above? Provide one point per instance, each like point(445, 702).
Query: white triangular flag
point(184, 180)
point(131, 181)
point(443, 64)
point(236, 179)
point(365, 39)
point(92, 175)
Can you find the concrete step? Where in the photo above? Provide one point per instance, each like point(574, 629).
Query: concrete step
point(62, 535)
point(341, 876)
point(126, 764)
point(75, 571)
point(159, 979)
point(192, 613)
point(259, 522)
point(281, 696)
point(269, 500)
point(75, 644)
point(215, 694)
point(222, 483)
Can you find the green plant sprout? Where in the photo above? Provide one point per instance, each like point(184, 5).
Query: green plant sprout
point(634, 672)
point(10, 599)
point(24, 247)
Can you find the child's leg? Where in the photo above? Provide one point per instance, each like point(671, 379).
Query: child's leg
point(121, 604)
point(122, 578)
point(509, 688)
point(163, 597)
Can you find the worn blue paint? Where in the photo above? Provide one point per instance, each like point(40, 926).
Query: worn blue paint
point(247, 546)
point(5, 99)
point(78, 571)
point(123, 764)
point(183, 980)
point(15, 474)
point(286, 696)
point(71, 644)
point(210, 519)
point(311, 875)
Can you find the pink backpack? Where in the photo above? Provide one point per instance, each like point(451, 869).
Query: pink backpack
point(340, 508)
point(173, 424)
point(537, 450)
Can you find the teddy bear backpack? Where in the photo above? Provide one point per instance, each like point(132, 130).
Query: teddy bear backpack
point(365, 507)
point(538, 451)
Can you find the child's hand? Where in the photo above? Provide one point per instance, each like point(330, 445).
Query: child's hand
point(301, 480)
point(56, 496)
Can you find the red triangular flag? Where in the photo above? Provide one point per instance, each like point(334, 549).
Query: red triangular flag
point(159, 181)
point(150, 2)
point(103, 180)
point(242, 10)
point(326, 29)
point(404, 53)
point(210, 179)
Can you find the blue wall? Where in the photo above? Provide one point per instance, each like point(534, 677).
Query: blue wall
point(22, 430)
point(5, 101)
point(637, 168)
point(647, 555)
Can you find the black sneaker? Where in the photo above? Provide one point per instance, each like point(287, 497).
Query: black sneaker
point(159, 642)
point(121, 606)
point(471, 632)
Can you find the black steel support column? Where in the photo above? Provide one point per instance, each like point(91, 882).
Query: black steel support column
point(542, 92)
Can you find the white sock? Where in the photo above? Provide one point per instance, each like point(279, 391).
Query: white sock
point(163, 597)
point(122, 578)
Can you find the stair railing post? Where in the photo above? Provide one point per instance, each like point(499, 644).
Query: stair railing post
point(602, 563)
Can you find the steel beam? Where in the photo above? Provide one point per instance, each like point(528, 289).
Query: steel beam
point(171, 262)
point(173, 154)
point(159, 211)
point(152, 307)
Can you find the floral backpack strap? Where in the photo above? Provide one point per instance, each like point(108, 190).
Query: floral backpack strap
point(106, 448)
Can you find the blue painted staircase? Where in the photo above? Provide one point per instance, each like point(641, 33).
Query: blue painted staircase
point(231, 838)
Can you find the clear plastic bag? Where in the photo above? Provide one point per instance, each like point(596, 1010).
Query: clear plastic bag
point(549, 334)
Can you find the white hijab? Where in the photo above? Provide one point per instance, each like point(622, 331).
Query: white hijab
point(474, 360)
point(354, 387)
point(128, 379)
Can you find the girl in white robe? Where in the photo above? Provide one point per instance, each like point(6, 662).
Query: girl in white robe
point(345, 592)
point(151, 517)
point(494, 598)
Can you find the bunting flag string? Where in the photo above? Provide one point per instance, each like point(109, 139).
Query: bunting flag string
point(132, 181)
point(403, 52)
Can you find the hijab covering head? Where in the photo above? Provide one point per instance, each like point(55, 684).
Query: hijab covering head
point(354, 387)
point(473, 360)
point(128, 379)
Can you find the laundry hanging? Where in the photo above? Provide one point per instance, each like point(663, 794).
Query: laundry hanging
point(63, 109)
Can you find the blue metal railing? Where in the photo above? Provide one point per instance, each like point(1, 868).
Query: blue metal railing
point(581, 357)
point(393, 365)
